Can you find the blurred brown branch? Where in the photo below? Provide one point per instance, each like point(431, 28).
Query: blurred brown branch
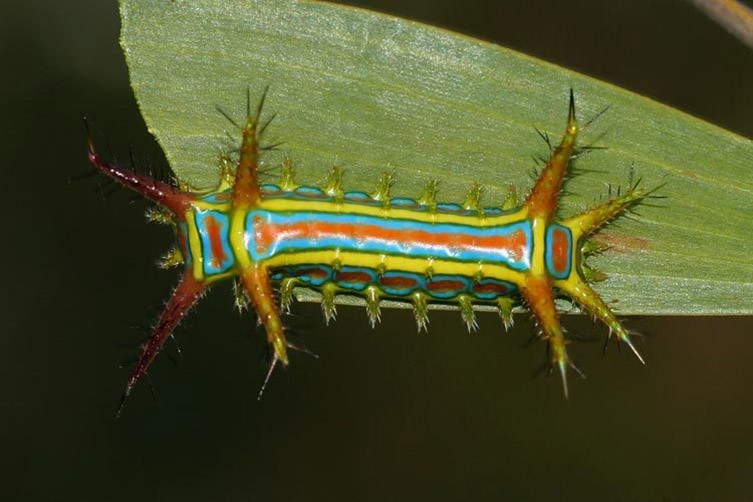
point(735, 17)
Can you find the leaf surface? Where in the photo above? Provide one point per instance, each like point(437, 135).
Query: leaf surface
point(372, 93)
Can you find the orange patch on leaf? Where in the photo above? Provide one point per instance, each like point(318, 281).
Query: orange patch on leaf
point(622, 242)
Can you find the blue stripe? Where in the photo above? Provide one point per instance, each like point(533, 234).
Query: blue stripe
point(447, 295)
point(187, 258)
point(494, 295)
point(548, 253)
point(217, 198)
point(404, 248)
point(355, 286)
point(206, 243)
point(419, 283)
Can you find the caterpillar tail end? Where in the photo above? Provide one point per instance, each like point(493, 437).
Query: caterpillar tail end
point(164, 194)
point(559, 357)
point(623, 336)
point(539, 296)
point(590, 301)
point(185, 296)
point(626, 339)
point(562, 366)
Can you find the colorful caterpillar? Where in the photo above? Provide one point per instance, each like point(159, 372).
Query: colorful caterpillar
point(376, 247)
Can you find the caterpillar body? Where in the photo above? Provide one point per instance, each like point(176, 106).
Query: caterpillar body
point(283, 235)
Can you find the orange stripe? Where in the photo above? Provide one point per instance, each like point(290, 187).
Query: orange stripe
point(560, 250)
point(267, 234)
point(215, 242)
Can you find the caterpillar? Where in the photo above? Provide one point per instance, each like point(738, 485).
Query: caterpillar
point(273, 238)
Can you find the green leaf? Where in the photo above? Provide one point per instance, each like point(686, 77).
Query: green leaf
point(371, 92)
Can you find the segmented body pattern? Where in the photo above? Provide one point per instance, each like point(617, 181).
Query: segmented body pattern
point(377, 247)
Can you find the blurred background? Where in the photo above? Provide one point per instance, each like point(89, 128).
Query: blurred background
point(383, 414)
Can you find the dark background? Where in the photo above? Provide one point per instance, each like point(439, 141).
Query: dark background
point(384, 414)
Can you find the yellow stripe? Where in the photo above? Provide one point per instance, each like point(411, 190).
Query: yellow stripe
point(538, 263)
point(212, 206)
point(282, 205)
point(232, 272)
point(237, 238)
point(574, 255)
point(415, 265)
point(194, 244)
